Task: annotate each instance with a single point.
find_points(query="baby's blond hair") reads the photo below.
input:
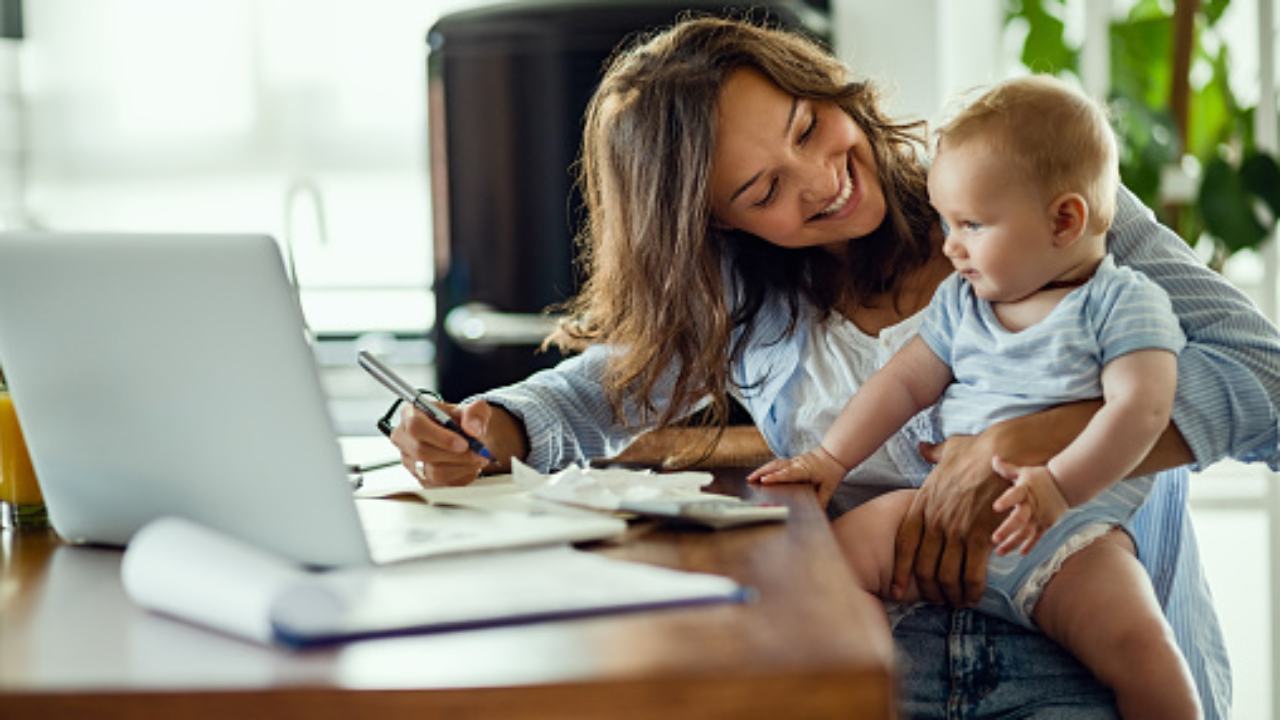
(1057, 137)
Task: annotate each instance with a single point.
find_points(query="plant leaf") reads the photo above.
(1045, 49)
(1227, 208)
(1210, 120)
(1145, 9)
(1213, 10)
(1260, 175)
(1140, 58)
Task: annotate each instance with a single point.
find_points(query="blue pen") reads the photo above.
(406, 392)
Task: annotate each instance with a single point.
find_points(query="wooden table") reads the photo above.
(72, 644)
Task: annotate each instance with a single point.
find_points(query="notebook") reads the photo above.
(192, 573)
(169, 375)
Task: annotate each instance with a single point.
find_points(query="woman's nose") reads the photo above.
(821, 182)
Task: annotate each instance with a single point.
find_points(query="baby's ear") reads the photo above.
(1069, 215)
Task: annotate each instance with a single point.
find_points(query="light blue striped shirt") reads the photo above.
(1226, 404)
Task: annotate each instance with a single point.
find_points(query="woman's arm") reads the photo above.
(566, 415)
(1228, 374)
(740, 446)
(1039, 436)
(551, 419)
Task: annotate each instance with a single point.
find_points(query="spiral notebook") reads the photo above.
(187, 571)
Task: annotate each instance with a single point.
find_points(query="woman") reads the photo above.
(757, 226)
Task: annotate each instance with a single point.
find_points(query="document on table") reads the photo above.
(674, 497)
(488, 492)
(185, 570)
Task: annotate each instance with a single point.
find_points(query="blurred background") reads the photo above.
(412, 158)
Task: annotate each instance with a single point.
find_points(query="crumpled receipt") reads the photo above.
(610, 488)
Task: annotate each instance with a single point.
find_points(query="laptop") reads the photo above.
(170, 374)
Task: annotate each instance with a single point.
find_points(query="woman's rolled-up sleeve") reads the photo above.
(1229, 372)
(566, 412)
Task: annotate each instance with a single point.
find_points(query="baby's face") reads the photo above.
(999, 228)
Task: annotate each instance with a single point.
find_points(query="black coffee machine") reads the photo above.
(507, 86)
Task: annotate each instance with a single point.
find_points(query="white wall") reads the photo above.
(922, 52)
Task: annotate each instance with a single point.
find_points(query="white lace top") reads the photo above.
(839, 358)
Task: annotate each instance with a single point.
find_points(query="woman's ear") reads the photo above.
(1069, 215)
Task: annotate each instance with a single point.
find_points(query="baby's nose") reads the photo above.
(951, 247)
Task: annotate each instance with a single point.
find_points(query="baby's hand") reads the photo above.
(1036, 504)
(816, 466)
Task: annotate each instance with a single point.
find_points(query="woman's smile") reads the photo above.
(843, 203)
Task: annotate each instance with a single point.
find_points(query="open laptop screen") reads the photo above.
(169, 375)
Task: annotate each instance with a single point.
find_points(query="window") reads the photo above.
(302, 119)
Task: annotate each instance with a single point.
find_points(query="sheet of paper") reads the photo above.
(396, 480)
(401, 530)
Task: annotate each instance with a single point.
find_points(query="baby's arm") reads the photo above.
(1138, 390)
(912, 380)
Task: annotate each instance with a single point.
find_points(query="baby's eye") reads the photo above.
(971, 226)
(946, 229)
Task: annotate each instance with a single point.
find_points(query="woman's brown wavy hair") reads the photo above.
(652, 258)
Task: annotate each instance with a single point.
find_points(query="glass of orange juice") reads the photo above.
(21, 504)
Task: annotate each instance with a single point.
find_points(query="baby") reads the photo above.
(1036, 315)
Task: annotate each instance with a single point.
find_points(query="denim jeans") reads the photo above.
(963, 664)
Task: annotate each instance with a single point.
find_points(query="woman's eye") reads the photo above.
(813, 123)
(773, 189)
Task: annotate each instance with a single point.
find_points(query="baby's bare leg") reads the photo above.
(866, 536)
(1102, 608)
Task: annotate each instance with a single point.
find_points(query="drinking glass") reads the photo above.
(21, 504)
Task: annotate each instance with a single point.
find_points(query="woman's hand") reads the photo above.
(945, 538)
(438, 456)
(816, 466)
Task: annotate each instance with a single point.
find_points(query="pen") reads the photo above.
(406, 392)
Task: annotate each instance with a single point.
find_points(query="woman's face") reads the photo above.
(794, 172)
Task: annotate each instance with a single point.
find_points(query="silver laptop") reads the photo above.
(169, 375)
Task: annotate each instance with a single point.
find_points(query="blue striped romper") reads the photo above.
(1001, 374)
